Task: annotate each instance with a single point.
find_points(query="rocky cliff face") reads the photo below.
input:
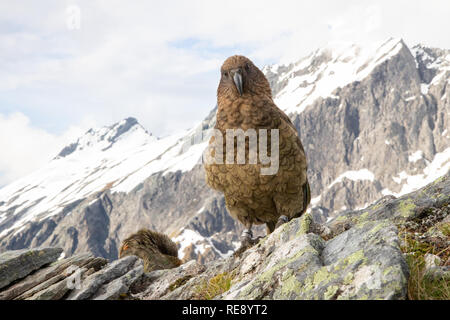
(359, 254)
(382, 135)
(374, 121)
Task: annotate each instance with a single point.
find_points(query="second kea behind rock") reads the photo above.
(156, 250)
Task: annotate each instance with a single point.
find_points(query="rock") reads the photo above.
(431, 261)
(91, 284)
(17, 264)
(412, 206)
(161, 284)
(45, 277)
(357, 255)
(362, 263)
(438, 273)
(59, 289)
(120, 286)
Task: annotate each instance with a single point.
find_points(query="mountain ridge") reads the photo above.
(389, 110)
(376, 254)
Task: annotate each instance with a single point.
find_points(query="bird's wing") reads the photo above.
(284, 119)
(293, 136)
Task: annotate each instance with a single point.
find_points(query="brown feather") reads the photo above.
(250, 197)
(156, 250)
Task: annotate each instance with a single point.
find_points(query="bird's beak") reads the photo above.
(237, 78)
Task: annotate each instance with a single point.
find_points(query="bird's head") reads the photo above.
(239, 77)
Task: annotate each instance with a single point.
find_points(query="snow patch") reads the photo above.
(354, 175)
(190, 237)
(424, 88)
(416, 156)
(435, 169)
(201, 209)
(315, 201)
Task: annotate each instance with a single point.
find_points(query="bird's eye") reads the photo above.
(225, 74)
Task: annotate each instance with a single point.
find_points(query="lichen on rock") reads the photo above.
(360, 254)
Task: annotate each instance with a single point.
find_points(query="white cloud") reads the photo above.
(126, 53)
(159, 61)
(25, 148)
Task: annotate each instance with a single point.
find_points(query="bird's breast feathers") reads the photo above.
(234, 177)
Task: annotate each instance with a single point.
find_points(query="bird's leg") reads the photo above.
(247, 240)
(281, 220)
(247, 236)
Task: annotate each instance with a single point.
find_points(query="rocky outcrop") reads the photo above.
(356, 255)
(378, 134)
(17, 264)
(108, 282)
(364, 262)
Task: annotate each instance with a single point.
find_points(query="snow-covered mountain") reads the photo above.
(299, 84)
(374, 120)
(115, 158)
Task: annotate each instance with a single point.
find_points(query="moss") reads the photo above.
(353, 258)
(406, 208)
(441, 179)
(342, 218)
(348, 278)
(179, 282)
(326, 275)
(331, 292)
(214, 286)
(354, 219)
(305, 224)
(445, 229)
(268, 275)
(322, 275)
(377, 228)
(252, 293)
(376, 207)
(444, 196)
(290, 285)
(364, 216)
(388, 270)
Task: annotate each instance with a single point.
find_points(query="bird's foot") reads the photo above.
(247, 242)
(281, 220)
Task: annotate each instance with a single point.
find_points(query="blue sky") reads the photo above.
(159, 61)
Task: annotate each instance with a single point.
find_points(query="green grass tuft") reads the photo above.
(421, 286)
(214, 286)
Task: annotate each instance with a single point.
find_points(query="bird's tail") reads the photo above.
(306, 195)
(306, 199)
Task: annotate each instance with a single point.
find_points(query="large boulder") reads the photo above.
(17, 264)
